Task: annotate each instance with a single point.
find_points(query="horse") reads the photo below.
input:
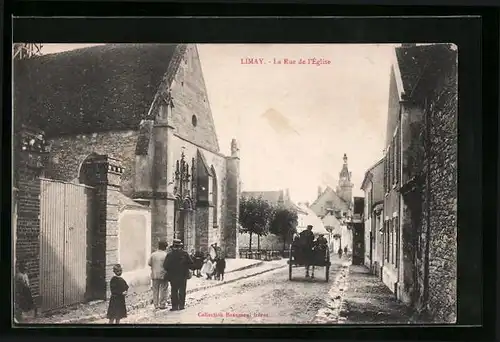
(316, 258)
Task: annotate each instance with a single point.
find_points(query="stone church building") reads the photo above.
(133, 122)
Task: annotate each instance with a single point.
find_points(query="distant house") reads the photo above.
(373, 186)
(337, 231)
(337, 203)
(339, 200)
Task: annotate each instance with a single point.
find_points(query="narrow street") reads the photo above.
(269, 298)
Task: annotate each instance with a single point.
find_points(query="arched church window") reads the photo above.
(215, 197)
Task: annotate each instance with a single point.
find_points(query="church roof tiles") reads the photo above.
(100, 88)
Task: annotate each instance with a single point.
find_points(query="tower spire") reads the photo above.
(344, 189)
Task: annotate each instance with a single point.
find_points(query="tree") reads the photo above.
(255, 216)
(284, 224)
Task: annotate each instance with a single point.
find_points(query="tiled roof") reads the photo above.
(420, 64)
(100, 88)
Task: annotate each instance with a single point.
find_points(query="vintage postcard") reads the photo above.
(235, 183)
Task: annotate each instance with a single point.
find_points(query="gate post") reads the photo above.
(103, 173)
(30, 151)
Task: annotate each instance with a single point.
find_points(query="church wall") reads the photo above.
(218, 162)
(68, 152)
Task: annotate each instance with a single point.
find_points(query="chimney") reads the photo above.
(319, 191)
(287, 194)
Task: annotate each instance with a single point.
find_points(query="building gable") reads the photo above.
(191, 114)
(325, 200)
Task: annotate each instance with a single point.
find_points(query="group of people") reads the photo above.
(208, 266)
(339, 252)
(172, 267)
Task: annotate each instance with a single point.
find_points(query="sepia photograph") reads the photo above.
(234, 183)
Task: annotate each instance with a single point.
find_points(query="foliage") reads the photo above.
(284, 223)
(255, 216)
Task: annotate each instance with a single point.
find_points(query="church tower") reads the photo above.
(344, 189)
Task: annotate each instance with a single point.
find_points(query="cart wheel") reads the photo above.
(327, 275)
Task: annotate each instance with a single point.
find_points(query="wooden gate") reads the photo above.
(64, 226)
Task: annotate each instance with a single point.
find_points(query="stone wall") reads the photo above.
(28, 225)
(68, 152)
(443, 201)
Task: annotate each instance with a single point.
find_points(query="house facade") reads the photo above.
(373, 186)
(420, 182)
(132, 125)
(356, 224)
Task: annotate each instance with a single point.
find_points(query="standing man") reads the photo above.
(160, 285)
(177, 265)
(307, 241)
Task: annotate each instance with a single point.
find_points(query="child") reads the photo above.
(208, 268)
(119, 287)
(23, 301)
(220, 267)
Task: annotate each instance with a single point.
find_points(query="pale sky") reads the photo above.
(295, 122)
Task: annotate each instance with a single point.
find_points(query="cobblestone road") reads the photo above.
(269, 298)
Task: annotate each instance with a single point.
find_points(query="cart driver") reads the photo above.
(321, 240)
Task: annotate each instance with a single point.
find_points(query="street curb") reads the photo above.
(144, 303)
(334, 311)
(246, 267)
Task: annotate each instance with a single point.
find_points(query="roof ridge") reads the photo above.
(168, 77)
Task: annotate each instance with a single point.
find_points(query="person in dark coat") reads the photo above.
(177, 265)
(198, 259)
(23, 300)
(220, 267)
(118, 287)
(307, 242)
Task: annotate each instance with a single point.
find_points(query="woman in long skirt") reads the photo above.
(119, 287)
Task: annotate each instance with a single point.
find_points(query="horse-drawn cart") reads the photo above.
(318, 256)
